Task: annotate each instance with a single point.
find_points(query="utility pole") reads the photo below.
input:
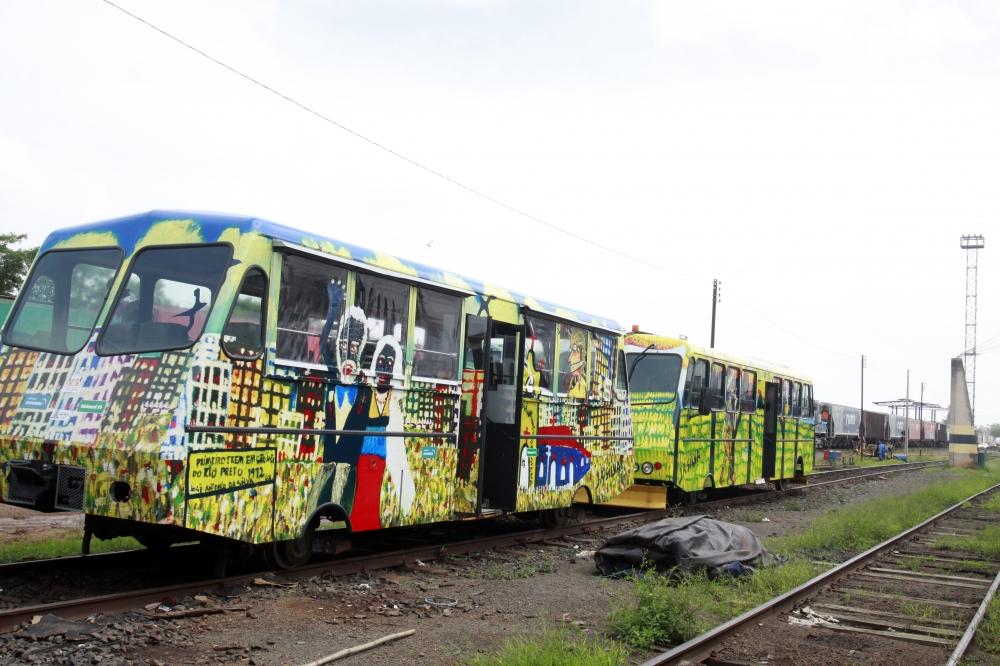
(972, 245)
(715, 299)
(861, 427)
(920, 408)
(906, 421)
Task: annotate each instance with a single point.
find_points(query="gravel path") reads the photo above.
(458, 608)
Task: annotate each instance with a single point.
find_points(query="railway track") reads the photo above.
(371, 560)
(919, 588)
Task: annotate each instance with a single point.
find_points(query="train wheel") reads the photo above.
(557, 517)
(289, 554)
(678, 497)
(781, 484)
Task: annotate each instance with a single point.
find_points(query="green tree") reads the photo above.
(995, 430)
(14, 262)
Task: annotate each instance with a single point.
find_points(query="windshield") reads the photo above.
(653, 372)
(58, 307)
(165, 301)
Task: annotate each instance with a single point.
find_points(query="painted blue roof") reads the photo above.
(130, 229)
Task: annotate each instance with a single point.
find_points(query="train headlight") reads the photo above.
(647, 468)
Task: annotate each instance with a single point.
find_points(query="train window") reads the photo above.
(732, 389)
(621, 374)
(786, 397)
(748, 391)
(310, 310)
(167, 298)
(807, 400)
(385, 305)
(654, 372)
(698, 379)
(797, 399)
(688, 377)
(573, 354)
(435, 335)
(538, 354)
(715, 395)
(601, 349)
(243, 336)
(60, 302)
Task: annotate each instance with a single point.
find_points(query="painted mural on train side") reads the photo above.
(352, 352)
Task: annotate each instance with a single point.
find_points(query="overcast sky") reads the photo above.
(820, 158)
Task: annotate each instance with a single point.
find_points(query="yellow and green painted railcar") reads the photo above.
(704, 420)
(180, 375)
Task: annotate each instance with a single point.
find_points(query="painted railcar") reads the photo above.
(180, 375)
(704, 420)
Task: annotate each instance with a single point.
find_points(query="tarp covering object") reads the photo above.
(689, 543)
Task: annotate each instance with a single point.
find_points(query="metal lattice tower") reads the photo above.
(972, 245)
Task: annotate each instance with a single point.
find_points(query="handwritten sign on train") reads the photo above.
(215, 472)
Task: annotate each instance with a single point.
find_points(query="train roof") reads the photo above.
(130, 230)
(664, 342)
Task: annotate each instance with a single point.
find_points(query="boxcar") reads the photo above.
(704, 420)
(875, 426)
(897, 426)
(177, 375)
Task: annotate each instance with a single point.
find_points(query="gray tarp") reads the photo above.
(690, 543)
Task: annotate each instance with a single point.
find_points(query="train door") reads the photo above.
(475, 380)
(499, 446)
(772, 400)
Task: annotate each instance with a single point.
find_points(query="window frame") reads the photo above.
(22, 297)
(540, 391)
(739, 387)
(282, 250)
(797, 404)
(557, 359)
(717, 400)
(808, 409)
(460, 350)
(745, 404)
(350, 271)
(408, 319)
(689, 401)
(124, 280)
(263, 314)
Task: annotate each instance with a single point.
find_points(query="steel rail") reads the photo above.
(970, 631)
(880, 472)
(19, 567)
(124, 601)
(701, 647)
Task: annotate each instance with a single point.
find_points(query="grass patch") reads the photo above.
(746, 516)
(839, 533)
(919, 609)
(913, 563)
(659, 610)
(525, 567)
(556, 647)
(61, 547)
(985, 542)
(664, 610)
(988, 632)
(992, 504)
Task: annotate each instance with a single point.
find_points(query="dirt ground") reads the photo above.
(16, 523)
(459, 608)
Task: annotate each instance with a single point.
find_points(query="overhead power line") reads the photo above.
(399, 155)
(434, 172)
